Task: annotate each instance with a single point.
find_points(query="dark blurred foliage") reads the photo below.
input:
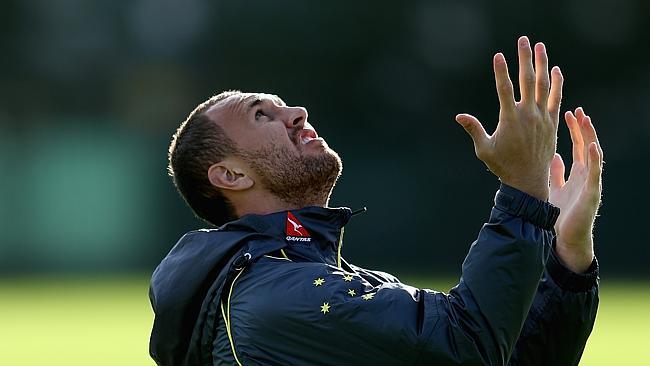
(91, 92)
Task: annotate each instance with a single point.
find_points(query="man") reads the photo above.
(270, 287)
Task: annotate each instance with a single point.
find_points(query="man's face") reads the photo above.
(281, 147)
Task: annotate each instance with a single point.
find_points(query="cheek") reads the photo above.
(275, 134)
(268, 136)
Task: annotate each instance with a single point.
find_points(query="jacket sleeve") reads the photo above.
(561, 317)
(337, 317)
(480, 320)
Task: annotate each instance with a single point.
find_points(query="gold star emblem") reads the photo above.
(325, 308)
(347, 278)
(351, 292)
(368, 296)
(319, 281)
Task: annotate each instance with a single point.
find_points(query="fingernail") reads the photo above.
(523, 41)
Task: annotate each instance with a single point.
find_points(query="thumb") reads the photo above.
(474, 128)
(557, 172)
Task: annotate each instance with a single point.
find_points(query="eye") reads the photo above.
(259, 113)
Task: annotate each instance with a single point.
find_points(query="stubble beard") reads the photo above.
(296, 178)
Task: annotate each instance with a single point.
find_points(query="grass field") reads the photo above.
(72, 322)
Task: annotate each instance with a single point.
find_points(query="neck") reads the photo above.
(263, 203)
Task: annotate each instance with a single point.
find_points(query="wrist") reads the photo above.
(569, 280)
(576, 257)
(537, 187)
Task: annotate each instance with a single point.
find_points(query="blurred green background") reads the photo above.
(106, 322)
(91, 92)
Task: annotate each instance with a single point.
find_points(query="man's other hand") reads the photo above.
(579, 197)
(521, 148)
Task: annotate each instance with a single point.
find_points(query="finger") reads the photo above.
(586, 143)
(475, 130)
(580, 114)
(589, 133)
(555, 97)
(504, 84)
(557, 172)
(576, 138)
(580, 117)
(595, 168)
(542, 81)
(526, 71)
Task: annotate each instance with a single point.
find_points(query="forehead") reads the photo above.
(240, 104)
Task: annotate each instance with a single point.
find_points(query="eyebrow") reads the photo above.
(279, 100)
(257, 101)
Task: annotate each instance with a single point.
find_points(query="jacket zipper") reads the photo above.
(338, 253)
(226, 317)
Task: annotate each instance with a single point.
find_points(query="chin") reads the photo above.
(307, 175)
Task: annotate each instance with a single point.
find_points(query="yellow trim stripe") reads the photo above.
(227, 318)
(284, 254)
(223, 315)
(270, 256)
(338, 254)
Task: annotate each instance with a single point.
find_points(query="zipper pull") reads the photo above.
(241, 262)
(359, 211)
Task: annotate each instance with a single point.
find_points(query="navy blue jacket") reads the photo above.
(274, 290)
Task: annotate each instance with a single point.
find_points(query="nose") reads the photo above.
(295, 117)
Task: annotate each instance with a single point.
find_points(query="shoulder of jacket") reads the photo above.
(293, 283)
(212, 234)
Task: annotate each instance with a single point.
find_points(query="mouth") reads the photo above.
(306, 135)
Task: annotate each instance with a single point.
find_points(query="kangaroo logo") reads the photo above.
(294, 229)
(296, 226)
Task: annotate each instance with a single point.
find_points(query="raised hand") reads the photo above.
(520, 150)
(579, 197)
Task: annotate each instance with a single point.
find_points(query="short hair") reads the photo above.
(200, 142)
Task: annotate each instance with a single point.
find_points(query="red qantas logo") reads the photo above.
(295, 231)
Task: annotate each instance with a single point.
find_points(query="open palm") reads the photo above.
(579, 197)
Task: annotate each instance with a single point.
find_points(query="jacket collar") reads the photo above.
(311, 233)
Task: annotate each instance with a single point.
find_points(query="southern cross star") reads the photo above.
(319, 281)
(368, 296)
(325, 308)
(347, 278)
(351, 292)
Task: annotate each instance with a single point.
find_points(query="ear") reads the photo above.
(230, 175)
